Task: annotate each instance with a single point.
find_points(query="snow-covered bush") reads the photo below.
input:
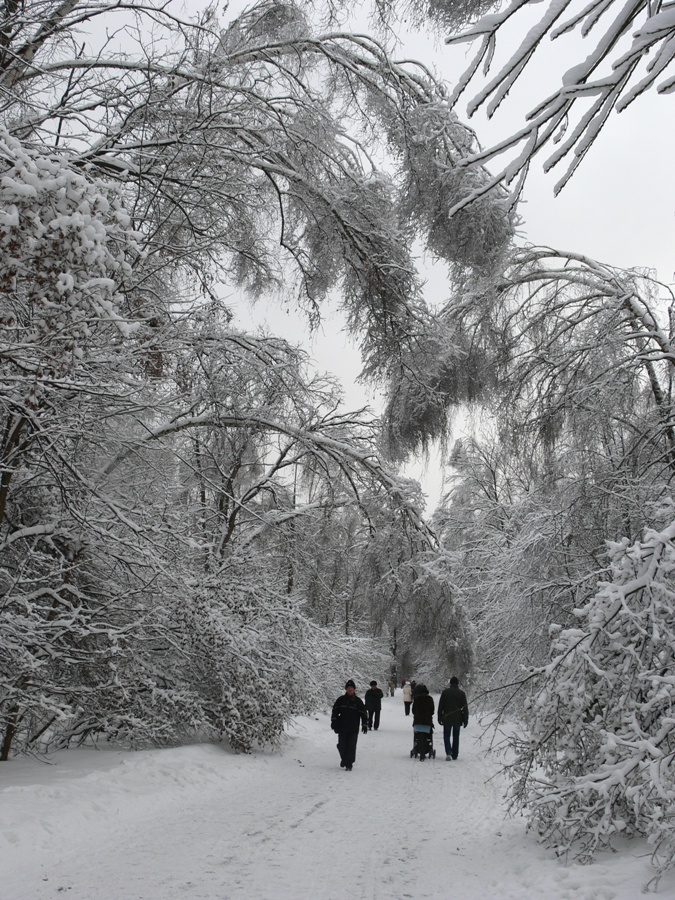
(599, 759)
(245, 655)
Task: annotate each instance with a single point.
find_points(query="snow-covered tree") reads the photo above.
(246, 149)
(574, 443)
(150, 451)
(574, 455)
(598, 758)
(141, 557)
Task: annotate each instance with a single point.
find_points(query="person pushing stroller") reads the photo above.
(423, 723)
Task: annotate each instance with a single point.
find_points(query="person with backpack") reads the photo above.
(373, 700)
(453, 713)
(349, 713)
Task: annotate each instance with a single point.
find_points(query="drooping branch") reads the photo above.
(608, 77)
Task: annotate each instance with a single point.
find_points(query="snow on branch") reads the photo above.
(346, 453)
(608, 73)
(599, 758)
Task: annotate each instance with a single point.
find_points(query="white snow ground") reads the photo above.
(202, 822)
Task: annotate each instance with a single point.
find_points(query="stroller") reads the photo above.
(423, 745)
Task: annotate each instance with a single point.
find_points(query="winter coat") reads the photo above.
(349, 713)
(423, 709)
(453, 708)
(407, 693)
(373, 698)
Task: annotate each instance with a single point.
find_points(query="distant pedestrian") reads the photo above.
(453, 712)
(373, 700)
(392, 687)
(349, 713)
(407, 697)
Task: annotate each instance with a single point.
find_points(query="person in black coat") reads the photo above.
(349, 713)
(373, 700)
(423, 721)
(423, 707)
(453, 712)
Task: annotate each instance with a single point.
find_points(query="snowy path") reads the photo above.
(200, 822)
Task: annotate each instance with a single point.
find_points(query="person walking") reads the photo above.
(423, 720)
(453, 712)
(373, 700)
(407, 697)
(423, 707)
(349, 713)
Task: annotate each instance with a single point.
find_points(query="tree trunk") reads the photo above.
(9, 733)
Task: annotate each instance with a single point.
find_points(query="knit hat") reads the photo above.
(454, 680)
(350, 683)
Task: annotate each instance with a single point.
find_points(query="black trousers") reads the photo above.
(451, 735)
(374, 718)
(347, 746)
(407, 705)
